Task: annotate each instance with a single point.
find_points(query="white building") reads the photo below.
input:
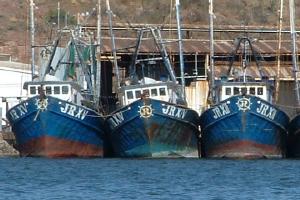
(12, 77)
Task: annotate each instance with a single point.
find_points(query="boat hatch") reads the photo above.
(159, 93)
(59, 91)
(259, 91)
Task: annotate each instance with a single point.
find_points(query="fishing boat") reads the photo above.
(58, 117)
(294, 126)
(152, 119)
(242, 121)
(54, 124)
(293, 150)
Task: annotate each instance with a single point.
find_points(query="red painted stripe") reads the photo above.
(53, 147)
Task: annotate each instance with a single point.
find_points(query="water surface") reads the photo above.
(39, 178)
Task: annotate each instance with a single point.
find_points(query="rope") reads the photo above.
(129, 108)
(286, 106)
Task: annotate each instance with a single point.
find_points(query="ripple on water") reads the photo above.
(39, 178)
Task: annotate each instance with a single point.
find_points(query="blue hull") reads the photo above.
(153, 128)
(57, 128)
(294, 138)
(242, 127)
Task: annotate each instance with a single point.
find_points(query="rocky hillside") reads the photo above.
(14, 17)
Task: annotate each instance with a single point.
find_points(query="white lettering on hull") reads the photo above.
(74, 111)
(174, 111)
(244, 105)
(220, 110)
(18, 111)
(266, 110)
(116, 119)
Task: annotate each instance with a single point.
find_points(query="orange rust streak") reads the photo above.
(244, 149)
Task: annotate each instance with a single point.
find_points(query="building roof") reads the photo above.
(286, 72)
(191, 46)
(222, 47)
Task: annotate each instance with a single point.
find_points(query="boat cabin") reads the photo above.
(63, 90)
(154, 92)
(259, 89)
(160, 91)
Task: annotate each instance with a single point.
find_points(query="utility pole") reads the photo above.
(58, 16)
(279, 52)
(32, 31)
(98, 71)
(109, 12)
(180, 49)
(294, 49)
(211, 47)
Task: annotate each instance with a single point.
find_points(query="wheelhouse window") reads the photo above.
(65, 89)
(48, 90)
(244, 90)
(146, 92)
(129, 94)
(260, 91)
(137, 94)
(32, 90)
(56, 90)
(154, 92)
(162, 92)
(252, 90)
(236, 90)
(228, 91)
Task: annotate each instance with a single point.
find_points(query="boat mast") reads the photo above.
(278, 52)
(48, 67)
(58, 16)
(180, 48)
(211, 46)
(32, 31)
(109, 12)
(98, 72)
(163, 52)
(294, 49)
(132, 70)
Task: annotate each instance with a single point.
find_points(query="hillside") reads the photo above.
(14, 18)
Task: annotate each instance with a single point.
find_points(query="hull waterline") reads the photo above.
(59, 129)
(152, 128)
(256, 131)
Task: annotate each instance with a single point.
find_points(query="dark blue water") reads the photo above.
(38, 178)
